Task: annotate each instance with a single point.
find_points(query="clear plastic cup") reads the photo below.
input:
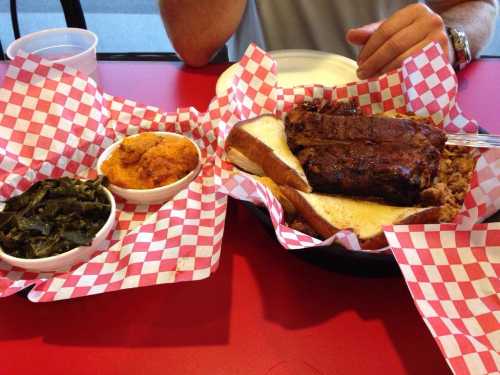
(69, 46)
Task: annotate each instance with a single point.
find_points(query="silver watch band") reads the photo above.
(461, 47)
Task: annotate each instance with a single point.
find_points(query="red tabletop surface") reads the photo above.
(265, 311)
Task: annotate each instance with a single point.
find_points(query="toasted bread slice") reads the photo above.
(275, 189)
(261, 142)
(327, 214)
(244, 163)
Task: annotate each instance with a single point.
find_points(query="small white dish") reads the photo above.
(62, 262)
(297, 67)
(160, 194)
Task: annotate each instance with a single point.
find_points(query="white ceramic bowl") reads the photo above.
(62, 262)
(160, 194)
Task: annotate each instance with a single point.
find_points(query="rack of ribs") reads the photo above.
(343, 151)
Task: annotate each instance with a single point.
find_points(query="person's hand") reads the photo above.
(387, 43)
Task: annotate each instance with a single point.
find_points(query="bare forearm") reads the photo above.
(199, 28)
(477, 18)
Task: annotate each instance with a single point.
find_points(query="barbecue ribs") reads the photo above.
(343, 151)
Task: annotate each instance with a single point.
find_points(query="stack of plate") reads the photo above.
(302, 67)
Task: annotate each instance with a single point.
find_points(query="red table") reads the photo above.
(265, 311)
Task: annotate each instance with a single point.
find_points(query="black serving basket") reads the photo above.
(337, 258)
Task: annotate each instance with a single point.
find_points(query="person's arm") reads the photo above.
(477, 18)
(199, 28)
(387, 43)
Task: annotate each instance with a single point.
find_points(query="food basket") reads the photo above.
(425, 85)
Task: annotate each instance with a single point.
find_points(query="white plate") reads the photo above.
(302, 67)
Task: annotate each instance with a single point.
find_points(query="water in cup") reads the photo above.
(68, 46)
(59, 52)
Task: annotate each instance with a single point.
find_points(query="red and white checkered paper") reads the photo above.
(55, 121)
(453, 275)
(426, 84)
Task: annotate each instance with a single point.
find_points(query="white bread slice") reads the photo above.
(287, 206)
(262, 141)
(327, 214)
(244, 163)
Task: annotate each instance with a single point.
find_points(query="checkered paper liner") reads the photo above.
(425, 84)
(453, 275)
(54, 122)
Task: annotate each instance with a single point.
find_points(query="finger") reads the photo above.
(360, 35)
(438, 36)
(397, 62)
(400, 42)
(398, 21)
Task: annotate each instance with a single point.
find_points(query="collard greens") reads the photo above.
(52, 217)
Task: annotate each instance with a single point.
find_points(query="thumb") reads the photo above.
(360, 35)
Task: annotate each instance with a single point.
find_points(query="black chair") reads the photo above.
(74, 16)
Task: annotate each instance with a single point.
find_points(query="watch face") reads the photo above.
(460, 39)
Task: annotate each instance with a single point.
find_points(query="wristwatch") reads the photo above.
(461, 47)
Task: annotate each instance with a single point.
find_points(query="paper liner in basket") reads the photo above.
(425, 84)
(54, 121)
(453, 275)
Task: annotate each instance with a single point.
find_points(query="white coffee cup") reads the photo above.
(69, 46)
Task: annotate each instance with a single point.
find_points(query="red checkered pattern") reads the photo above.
(425, 84)
(251, 91)
(453, 275)
(431, 88)
(483, 198)
(54, 121)
(375, 95)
